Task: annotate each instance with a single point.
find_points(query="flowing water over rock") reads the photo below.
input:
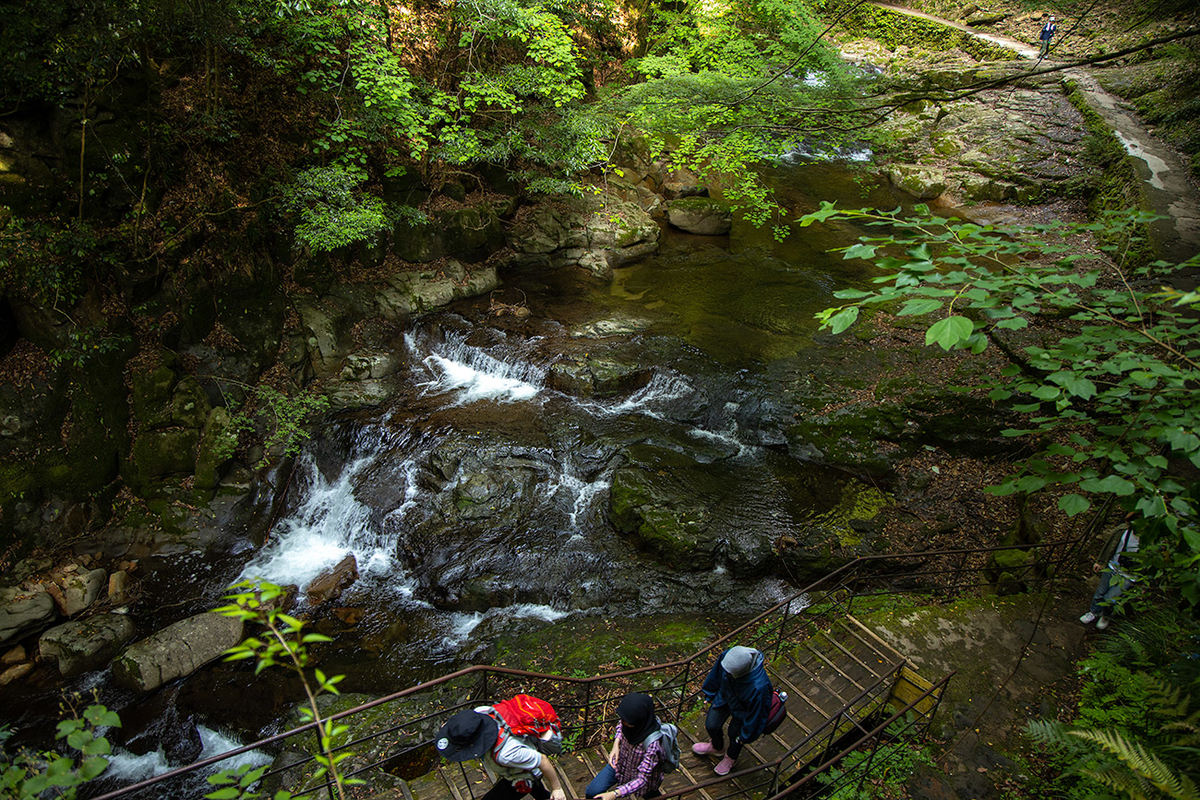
(619, 451)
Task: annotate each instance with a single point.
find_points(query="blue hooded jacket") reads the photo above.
(748, 697)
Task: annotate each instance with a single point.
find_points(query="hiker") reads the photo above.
(638, 758)
(1115, 577)
(513, 762)
(1048, 31)
(740, 691)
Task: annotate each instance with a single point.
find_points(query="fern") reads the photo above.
(1145, 766)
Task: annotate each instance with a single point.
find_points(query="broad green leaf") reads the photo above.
(949, 332)
(921, 305)
(825, 212)
(859, 251)
(1072, 504)
(843, 319)
(1113, 484)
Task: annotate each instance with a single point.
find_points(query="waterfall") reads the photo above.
(472, 374)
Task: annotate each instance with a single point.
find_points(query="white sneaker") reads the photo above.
(1089, 618)
(1102, 623)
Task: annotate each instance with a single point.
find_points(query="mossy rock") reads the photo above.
(705, 216)
(591, 645)
(152, 393)
(650, 504)
(159, 454)
(189, 404)
(215, 447)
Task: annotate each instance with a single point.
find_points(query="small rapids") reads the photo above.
(488, 499)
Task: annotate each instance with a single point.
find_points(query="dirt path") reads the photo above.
(1167, 188)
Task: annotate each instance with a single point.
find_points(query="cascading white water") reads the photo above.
(663, 389)
(330, 524)
(472, 374)
(129, 768)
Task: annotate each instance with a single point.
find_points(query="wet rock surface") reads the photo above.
(87, 644)
(595, 232)
(704, 216)
(177, 650)
(22, 611)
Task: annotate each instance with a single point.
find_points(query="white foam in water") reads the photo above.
(473, 374)
(130, 768)
(475, 384)
(214, 743)
(462, 625)
(837, 154)
(534, 611)
(583, 495)
(720, 438)
(661, 389)
(330, 524)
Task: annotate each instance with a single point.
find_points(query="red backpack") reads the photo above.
(532, 719)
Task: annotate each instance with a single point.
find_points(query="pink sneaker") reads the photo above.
(724, 765)
(706, 749)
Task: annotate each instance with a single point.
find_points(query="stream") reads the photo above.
(478, 502)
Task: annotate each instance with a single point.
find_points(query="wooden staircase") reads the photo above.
(835, 681)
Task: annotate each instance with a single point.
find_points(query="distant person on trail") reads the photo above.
(636, 761)
(1048, 31)
(740, 691)
(1115, 576)
(514, 763)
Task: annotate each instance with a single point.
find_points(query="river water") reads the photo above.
(477, 502)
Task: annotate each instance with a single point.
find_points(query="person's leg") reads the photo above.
(735, 747)
(604, 780)
(714, 723)
(1102, 590)
(502, 789)
(539, 791)
(1116, 585)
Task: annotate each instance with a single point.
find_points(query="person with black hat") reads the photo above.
(740, 691)
(515, 766)
(636, 762)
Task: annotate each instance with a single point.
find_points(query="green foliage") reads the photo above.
(331, 212)
(84, 344)
(49, 261)
(240, 784)
(286, 418)
(285, 643)
(731, 86)
(1109, 398)
(1137, 728)
(26, 775)
(866, 776)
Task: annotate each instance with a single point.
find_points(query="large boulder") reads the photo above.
(21, 612)
(705, 216)
(417, 291)
(86, 644)
(650, 501)
(80, 590)
(472, 233)
(923, 183)
(331, 583)
(586, 376)
(176, 651)
(595, 232)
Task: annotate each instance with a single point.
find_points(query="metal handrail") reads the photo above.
(838, 580)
